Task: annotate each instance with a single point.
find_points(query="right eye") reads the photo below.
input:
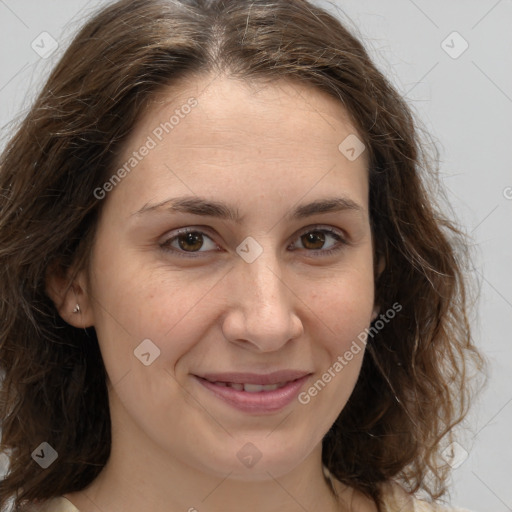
(188, 241)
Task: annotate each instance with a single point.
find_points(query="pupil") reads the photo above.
(192, 241)
(311, 238)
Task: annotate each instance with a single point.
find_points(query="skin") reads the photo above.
(263, 149)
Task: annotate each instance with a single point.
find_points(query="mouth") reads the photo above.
(255, 393)
(251, 388)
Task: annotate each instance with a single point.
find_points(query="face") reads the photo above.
(234, 252)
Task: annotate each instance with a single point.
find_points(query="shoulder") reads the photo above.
(59, 504)
(396, 499)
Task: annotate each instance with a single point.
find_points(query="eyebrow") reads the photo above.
(208, 208)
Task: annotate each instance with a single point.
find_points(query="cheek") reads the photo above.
(343, 311)
(167, 307)
(344, 305)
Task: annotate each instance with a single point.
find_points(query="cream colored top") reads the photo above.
(396, 500)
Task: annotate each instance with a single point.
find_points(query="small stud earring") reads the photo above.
(77, 309)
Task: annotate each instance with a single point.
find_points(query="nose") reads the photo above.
(262, 314)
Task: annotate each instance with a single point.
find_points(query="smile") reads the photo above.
(252, 388)
(253, 393)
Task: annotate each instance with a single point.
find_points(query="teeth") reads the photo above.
(256, 388)
(252, 388)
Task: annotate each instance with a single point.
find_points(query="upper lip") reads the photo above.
(255, 378)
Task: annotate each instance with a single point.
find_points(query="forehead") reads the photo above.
(230, 111)
(220, 132)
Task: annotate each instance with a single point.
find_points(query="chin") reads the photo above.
(258, 459)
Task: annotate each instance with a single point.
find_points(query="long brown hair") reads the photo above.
(413, 387)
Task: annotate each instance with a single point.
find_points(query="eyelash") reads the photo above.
(165, 246)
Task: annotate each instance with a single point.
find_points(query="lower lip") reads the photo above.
(260, 402)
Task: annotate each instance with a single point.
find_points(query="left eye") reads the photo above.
(315, 240)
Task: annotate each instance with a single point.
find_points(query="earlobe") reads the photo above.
(70, 297)
(381, 265)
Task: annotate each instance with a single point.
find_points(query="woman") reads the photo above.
(224, 283)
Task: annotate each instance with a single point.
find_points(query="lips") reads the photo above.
(277, 377)
(256, 393)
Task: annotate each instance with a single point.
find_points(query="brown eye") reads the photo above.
(320, 242)
(313, 240)
(187, 242)
(190, 242)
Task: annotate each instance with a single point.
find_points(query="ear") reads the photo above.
(66, 292)
(375, 312)
(379, 268)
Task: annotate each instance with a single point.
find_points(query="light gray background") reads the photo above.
(466, 103)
